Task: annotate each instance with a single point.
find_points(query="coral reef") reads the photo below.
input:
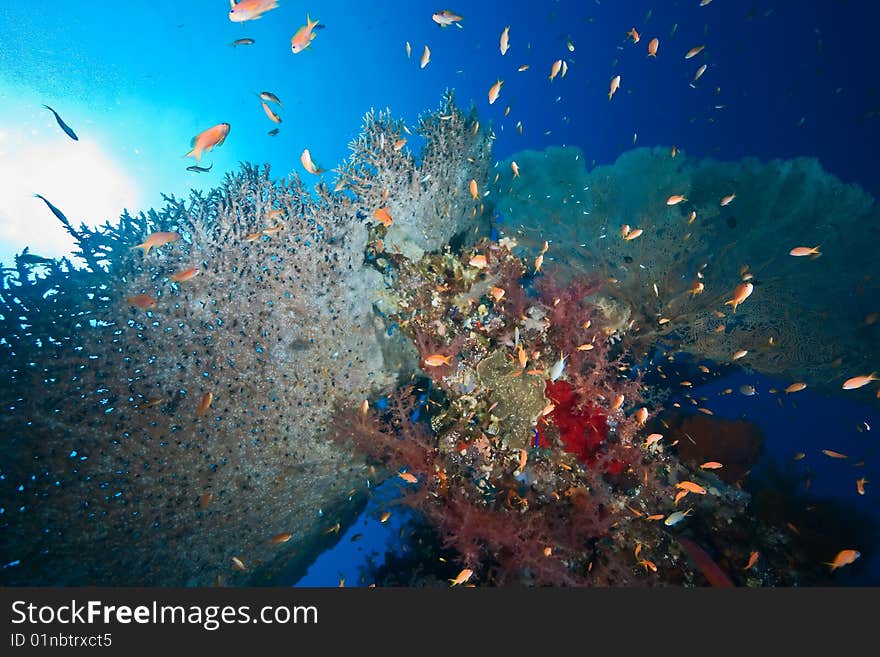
(672, 281)
(576, 504)
(164, 406)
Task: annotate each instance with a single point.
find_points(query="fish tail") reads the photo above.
(310, 23)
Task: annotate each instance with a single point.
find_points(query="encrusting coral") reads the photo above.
(164, 406)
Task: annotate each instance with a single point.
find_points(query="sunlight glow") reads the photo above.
(79, 178)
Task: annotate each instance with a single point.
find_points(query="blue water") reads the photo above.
(137, 80)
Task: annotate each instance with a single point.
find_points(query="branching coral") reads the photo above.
(167, 425)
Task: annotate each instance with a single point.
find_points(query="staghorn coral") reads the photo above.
(794, 325)
(427, 197)
(123, 479)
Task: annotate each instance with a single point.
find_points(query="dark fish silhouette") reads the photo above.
(64, 126)
(242, 42)
(199, 169)
(58, 213)
(273, 132)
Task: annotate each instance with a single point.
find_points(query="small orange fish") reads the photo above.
(727, 199)
(384, 517)
(479, 261)
(739, 354)
(184, 275)
(462, 577)
(711, 465)
(365, 407)
(859, 381)
(426, 57)
(699, 73)
(497, 293)
(400, 143)
(304, 36)
(207, 140)
(504, 41)
(653, 44)
(539, 262)
(548, 551)
(494, 90)
(693, 52)
(795, 387)
(156, 240)
(381, 214)
(740, 294)
(239, 564)
(248, 10)
(634, 34)
(833, 454)
(585, 347)
(555, 68)
(804, 251)
(283, 537)
(641, 415)
(308, 164)
(273, 117)
(680, 495)
(617, 403)
(860, 485)
(615, 85)
(515, 168)
(205, 404)
(653, 438)
(205, 500)
(436, 360)
(656, 516)
(753, 559)
(691, 487)
(649, 565)
(474, 191)
(142, 301)
(634, 234)
(844, 558)
(675, 199)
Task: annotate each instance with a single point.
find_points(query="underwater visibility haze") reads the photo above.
(564, 293)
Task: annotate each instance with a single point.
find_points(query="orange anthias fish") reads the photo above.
(554, 69)
(805, 251)
(382, 215)
(859, 381)
(844, 558)
(615, 85)
(795, 387)
(462, 577)
(691, 487)
(479, 261)
(408, 477)
(426, 57)
(860, 485)
(304, 36)
(205, 141)
(283, 537)
(711, 465)
(753, 559)
(184, 275)
(273, 117)
(308, 164)
(675, 199)
(494, 90)
(652, 47)
(205, 404)
(693, 52)
(473, 189)
(157, 240)
(504, 41)
(249, 10)
(833, 454)
(436, 360)
(142, 301)
(445, 18)
(740, 294)
(634, 33)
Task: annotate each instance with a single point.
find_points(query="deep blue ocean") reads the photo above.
(138, 80)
